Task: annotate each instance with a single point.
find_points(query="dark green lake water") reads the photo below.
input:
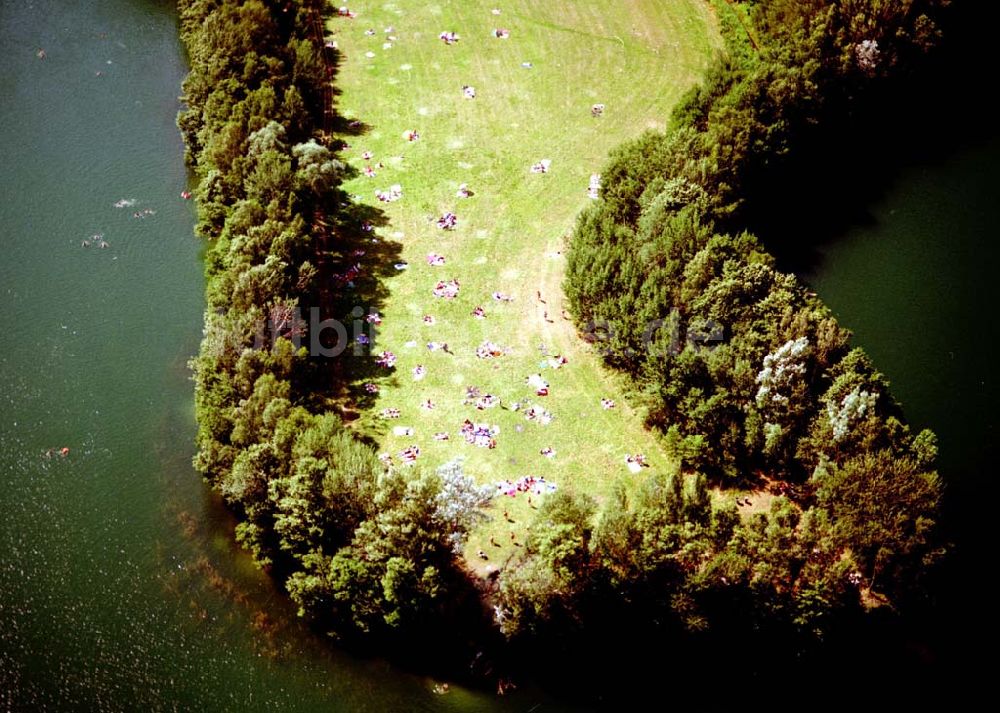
(917, 284)
(119, 584)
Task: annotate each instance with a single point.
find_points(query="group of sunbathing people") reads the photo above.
(594, 188)
(446, 289)
(490, 350)
(541, 166)
(448, 221)
(525, 484)
(450, 38)
(483, 435)
(393, 194)
(480, 434)
(636, 462)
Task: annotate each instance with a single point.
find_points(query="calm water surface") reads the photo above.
(919, 286)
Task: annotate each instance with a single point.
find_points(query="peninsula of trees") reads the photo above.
(762, 391)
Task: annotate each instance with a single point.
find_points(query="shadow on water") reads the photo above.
(218, 595)
(841, 168)
(830, 190)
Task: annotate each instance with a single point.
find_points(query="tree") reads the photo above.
(300, 513)
(882, 505)
(318, 170)
(461, 503)
(542, 589)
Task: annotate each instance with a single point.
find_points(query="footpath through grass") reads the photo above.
(534, 92)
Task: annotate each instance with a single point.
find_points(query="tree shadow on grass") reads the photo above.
(355, 265)
(353, 261)
(334, 122)
(344, 126)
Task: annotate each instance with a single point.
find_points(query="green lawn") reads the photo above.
(636, 57)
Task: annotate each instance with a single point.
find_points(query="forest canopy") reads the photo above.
(747, 376)
(361, 549)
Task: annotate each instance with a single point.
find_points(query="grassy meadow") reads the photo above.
(636, 58)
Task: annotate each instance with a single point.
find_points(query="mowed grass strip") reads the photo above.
(636, 58)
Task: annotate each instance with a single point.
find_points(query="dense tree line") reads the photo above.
(361, 548)
(747, 375)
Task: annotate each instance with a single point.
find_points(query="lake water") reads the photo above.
(120, 587)
(917, 283)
